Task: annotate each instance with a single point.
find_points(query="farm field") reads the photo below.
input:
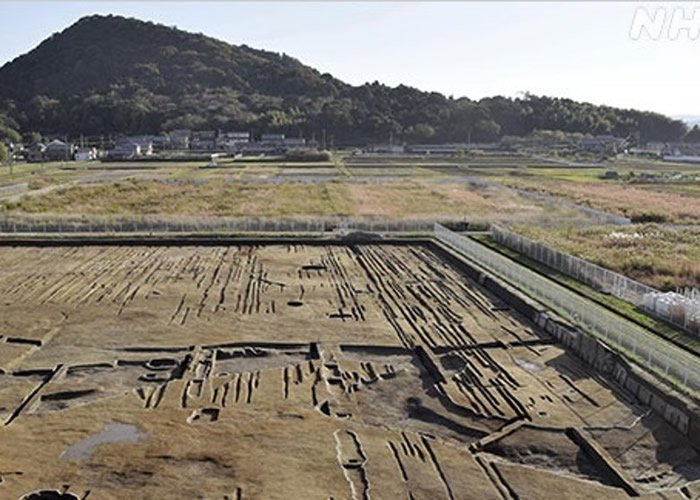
(410, 197)
(382, 185)
(297, 371)
(352, 186)
(659, 257)
(638, 204)
(651, 195)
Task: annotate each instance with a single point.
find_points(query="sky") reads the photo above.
(580, 50)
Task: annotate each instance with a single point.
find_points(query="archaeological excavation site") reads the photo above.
(327, 368)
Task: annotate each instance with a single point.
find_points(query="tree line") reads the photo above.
(112, 75)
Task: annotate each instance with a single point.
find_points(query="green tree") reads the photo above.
(464, 121)
(43, 109)
(32, 137)
(4, 155)
(419, 132)
(112, 75)
(9, 134)
(510, 114)
(8, 129)
(486, 131)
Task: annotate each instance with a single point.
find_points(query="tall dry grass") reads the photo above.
(639, 204)
(662, 258)
(214, 198)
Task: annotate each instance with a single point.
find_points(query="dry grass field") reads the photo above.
(662, 258)
(393, 198)
(371, 185)
(285, 372)
(641, 204)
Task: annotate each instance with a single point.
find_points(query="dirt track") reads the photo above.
(365, 371)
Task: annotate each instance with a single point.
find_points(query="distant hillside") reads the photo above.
(691, 120)
(109, 74)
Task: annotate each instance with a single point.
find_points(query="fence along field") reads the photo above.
(385, 363)
(659, 356)
(64, 223)
(685, 314)
(671, 363)
(15, 224)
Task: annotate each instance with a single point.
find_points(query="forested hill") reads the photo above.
(109, 74)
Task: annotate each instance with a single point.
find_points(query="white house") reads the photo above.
(86, 154)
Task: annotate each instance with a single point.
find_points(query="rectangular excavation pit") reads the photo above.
(297, 403)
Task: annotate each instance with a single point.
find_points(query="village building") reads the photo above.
(35, 152)
(57, 150)
(86, 154)
(602, 144)
(180, 139)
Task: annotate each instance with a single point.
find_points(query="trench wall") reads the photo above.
(676, 409)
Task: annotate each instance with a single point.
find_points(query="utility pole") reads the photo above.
(10, 158)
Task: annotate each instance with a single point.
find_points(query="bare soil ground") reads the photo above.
(303, 372)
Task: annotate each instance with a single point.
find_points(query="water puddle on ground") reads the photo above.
(113, 432)
(527, 365)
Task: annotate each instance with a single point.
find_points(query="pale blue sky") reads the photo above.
(578, 50)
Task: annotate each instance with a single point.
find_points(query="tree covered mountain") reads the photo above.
(109, 74)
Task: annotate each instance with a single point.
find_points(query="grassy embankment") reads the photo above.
(619, 306)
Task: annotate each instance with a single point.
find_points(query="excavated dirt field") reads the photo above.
(310, 372)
